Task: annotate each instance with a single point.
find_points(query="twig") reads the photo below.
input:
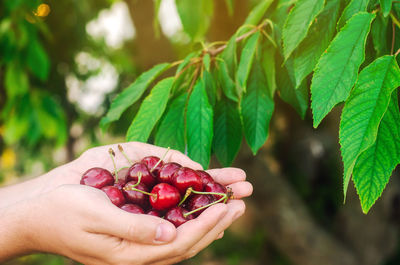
(238, 39)
(398, 51)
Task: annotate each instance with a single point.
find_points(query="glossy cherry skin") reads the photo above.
(165, 197)
(147, 178)
(115, 195)
(136, 197)
(150, 162)
(97, 177)
(197, 201)
(175, 216)
(154, 213)
(205, 177)
(215, 187)
(167, 171)
(132, 208)
(185, 178)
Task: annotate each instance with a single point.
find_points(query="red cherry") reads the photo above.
(167, 171)
(115, 195)
(134, 196)
(175, 216)
(198, 201)
(154, 213)
(121, 183)
(147, 178)
(215, 187)
(185, 178)
(165, 196)
(97, 177)
(205, 177)
(150, 162)
(132, 208)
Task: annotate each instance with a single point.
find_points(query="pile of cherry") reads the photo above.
(153, 187)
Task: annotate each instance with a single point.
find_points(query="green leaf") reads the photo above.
(210, 86)
(364, 110)
(351, 9)
(195, 16)
(256, 109)
(296, 97)
(268, 64)
(37, 60)
(257, 13)
(306, 56)
(150, 111)
(337, 69)
(379, 32)
(229, 56)
(297, 23)
(227, 131)
(171, 132)
(199, 123)
(132, 93)
(229, 87)
(16, 80)
(375, 165)
(207, 61)
(246, 60)
(386, 6)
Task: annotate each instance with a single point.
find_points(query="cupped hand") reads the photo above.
(89, 229)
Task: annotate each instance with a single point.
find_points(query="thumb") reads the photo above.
(140, 228)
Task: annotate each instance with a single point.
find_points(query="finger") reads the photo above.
(236, 209)
(227, 176)
(241, 189)
(221, 235)
(139, 228)
(192, 231)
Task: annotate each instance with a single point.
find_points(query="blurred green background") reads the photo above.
(61, 64)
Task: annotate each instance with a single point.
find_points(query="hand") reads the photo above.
(85, 226)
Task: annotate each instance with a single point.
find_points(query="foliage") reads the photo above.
(224, 91)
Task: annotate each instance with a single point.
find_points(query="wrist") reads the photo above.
(14, 230)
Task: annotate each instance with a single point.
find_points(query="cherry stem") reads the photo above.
(159, 161)
(121, 168)
(112, 154)
(205, 206)
(187, 194)
(210, 193)
(124, 154)
(142, 191)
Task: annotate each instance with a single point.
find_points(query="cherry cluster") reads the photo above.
(151, 186)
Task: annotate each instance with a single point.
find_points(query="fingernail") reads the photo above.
(164, 233)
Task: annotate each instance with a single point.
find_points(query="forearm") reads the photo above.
(14, 227)
(22, 191)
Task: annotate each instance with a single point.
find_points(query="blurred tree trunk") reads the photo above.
(149, 49)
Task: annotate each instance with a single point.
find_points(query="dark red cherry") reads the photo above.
(175, 216)
(205, 177)
(165, 196)
(167, 171)
(136, 197)
(197, 201)
(115, 195)
(154, 213)
(150, 162)
(215, 187)
(132, 208)
(121, 182)
(185, 178)
(97, 177)
(147, 178)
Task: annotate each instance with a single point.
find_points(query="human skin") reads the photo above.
(54, 214)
